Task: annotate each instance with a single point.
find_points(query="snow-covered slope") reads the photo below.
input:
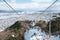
(37, 34)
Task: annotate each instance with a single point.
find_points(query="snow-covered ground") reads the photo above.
(37, 34)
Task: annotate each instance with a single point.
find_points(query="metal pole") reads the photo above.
(50, 29)
(50, 25)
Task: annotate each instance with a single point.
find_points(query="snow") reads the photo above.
(29, 35)
(37, 38)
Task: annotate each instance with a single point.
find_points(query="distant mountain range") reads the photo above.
(10, 11)
(6, 11)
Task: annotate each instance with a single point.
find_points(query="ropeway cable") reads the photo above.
(4, 5)
(10, 6)
(50, 6)
(50, 22)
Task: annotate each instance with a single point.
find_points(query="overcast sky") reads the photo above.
(30, 5)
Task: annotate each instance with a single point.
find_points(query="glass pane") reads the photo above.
(29, 19)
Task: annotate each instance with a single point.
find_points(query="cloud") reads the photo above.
(25, 6)
(31, 5)
(34, 5)
(13, 1)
